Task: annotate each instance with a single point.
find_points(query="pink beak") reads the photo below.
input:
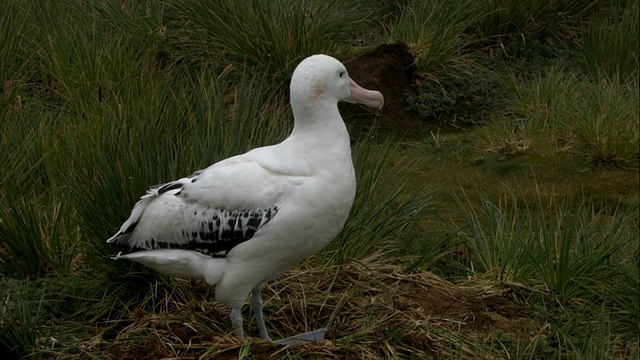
(360, 95)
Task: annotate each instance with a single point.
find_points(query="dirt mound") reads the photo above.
(389, 69)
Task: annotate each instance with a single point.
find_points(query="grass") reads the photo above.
(434, 30)
(458, 96)
(20, 318)
(268, 37)
(562, 113)
(565, 247)
(511, 238)
(380, 215)
(533, 18)
(610, 46)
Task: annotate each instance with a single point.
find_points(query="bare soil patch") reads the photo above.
(389, 69)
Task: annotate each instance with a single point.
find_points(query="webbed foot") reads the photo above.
(305, 338)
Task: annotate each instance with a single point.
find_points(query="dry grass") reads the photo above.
(372, 309)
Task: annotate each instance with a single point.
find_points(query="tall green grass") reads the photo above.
(605, 123)
(12, 55)
(76, 82)
(86, 61)
(38, 237)
(499, 243)
(268, 36)
(385, 211)
(433, 30)
(561, 113)
(610, 43)
(569, 249)
(626, 305)
(20, 316)
(533, 18)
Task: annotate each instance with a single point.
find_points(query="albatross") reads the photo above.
(248, 219)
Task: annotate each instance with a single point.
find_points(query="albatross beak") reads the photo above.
(360, 95)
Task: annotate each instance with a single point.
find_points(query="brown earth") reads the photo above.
(390, 69)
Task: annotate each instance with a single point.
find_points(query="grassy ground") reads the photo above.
(497, 209)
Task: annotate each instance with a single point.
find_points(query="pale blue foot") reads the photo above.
(305, 338)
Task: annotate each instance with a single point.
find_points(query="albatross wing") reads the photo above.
(210, 211)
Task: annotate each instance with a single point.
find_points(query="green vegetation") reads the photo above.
(268, 37)
(505, 225)
(433, 30)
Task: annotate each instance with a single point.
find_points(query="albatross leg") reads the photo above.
(256, 304)
(236, 321)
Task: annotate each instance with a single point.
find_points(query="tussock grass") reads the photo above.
(433, 30)
(86, 59)
(381, 214)
(19, 317)
(610, 45)
(573, 253)
(12, 64)
(605, 124)
(627, 305)
(38, 239)
(560, 113)
(536, 17)
(269, 37)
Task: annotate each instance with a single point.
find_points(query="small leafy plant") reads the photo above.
(471, 94)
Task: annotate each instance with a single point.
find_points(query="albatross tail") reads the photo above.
(180, 263)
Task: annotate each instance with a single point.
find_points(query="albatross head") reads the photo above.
(323, 79)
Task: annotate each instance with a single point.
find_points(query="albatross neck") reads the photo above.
(319, 123)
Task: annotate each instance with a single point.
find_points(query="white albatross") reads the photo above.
(248, 219)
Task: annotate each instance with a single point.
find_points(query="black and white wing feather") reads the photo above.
(210, 211)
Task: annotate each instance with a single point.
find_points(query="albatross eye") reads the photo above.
(341, 74)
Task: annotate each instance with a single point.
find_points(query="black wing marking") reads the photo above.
(216, 234)
(169, 186)
(178, 184)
